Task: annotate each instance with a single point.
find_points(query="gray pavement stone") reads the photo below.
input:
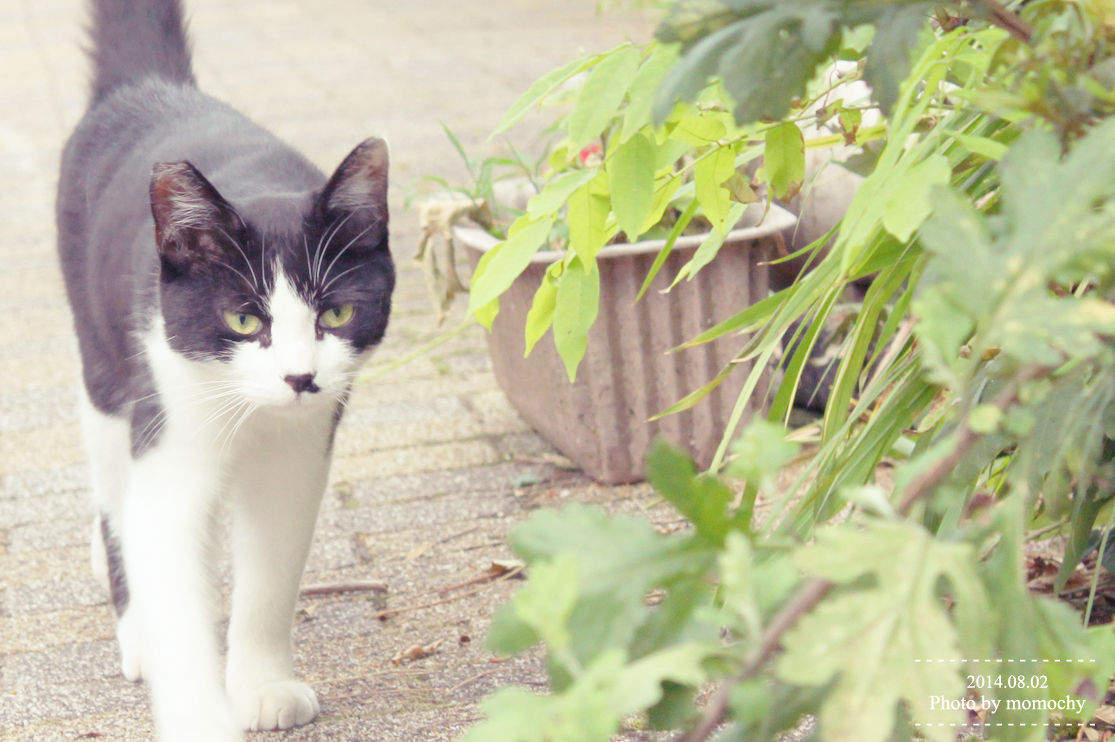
(21, 568)
(37, 408)
(26, 485)
(52, 595)
(58, 666)
(48, 506)
(51, 534)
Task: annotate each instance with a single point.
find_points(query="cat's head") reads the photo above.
(277, 300)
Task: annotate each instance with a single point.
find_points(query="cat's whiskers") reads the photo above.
(230, 415)
(250, 285)
(343, 250)
(254, 284)
(262, 258)
(248, 409)
(190, 386)
(223, 413)
(327, 237)
(150, 430)
(324, 290)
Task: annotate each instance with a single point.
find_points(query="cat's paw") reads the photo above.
(127, 636)
(278, 705)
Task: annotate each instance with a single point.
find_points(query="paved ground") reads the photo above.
(433, 466)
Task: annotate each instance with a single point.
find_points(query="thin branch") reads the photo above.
(812, 593)
(1005, 19)
(339, 588)
(924, 483)
(815, 590)
(388, 612)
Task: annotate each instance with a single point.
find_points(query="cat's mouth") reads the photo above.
(299, 395)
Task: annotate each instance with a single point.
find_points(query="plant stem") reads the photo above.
(1096, 571)
(1005, 19)
(922, 484)
(815, 589)
(812, 593)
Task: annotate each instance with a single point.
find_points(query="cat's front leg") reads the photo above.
(166, 543)
(275, 502)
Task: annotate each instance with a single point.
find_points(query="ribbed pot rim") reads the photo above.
(776, 220)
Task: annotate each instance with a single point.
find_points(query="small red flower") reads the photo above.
(591, 154)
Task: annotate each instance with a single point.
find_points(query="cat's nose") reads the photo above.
(302, 383)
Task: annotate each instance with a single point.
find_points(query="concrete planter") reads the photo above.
(601, 421)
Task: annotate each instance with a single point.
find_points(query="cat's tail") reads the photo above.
(137, 39)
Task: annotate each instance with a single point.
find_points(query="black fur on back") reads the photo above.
(133, 39)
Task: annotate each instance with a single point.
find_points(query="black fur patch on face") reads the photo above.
(351, 262)
(336, 272)
(217, 258)
(194, 302)
(212, 262)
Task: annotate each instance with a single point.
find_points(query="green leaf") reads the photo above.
(602, 94)
(501, 265)
(1037, 627)
(706, 251)
(985, 418)
(660, 259)
(641, 93)
(586, 710)
(587, 217)
(983, 146)
(761, 451)
(513, 715)
(509, 633)
(784, 160)
(694, 396)
(677, 616)
(550, 200)
(486, 315)
(709, 175)
(664, 190)
(738, 583)
(690, 75)
(631, 181)
(619, 558)
(960, 239)
(577, 303)
(908, 204)
(888, 59)
(769, 66)
(640, 685)
(872, 636)
(541, 89)
(850, 120)
(541, 314)
(701, 499)
(546, 602)
(745, 321)
(700, 127)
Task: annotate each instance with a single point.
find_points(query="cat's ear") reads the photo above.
(193, 222)
(355, 198)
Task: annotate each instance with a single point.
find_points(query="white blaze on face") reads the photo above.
(294, 342)
(295, 351)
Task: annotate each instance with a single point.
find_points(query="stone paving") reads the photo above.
(432, 464)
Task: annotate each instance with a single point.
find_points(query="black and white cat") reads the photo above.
(224, 294)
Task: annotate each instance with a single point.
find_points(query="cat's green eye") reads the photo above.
(242, 323)
(337, 316)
